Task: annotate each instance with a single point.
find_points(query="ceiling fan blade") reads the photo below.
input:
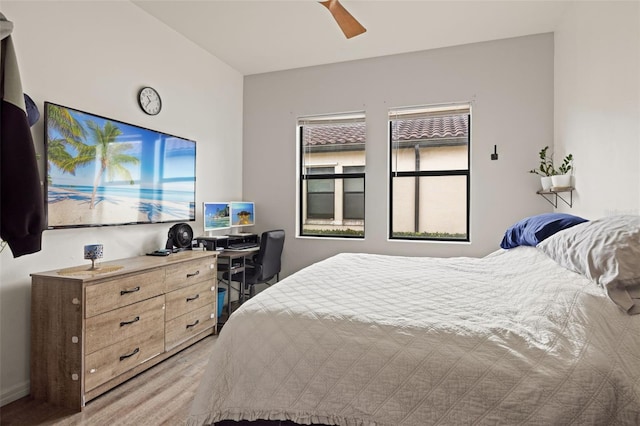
(348, 24)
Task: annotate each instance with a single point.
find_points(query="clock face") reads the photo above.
(149, 101)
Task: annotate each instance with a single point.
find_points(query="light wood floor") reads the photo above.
(161, 395)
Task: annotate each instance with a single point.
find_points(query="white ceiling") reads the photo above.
(261, 36)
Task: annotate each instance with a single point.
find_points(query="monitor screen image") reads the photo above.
(243, 213)
(216, 215)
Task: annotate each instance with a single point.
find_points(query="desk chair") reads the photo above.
(265, 265)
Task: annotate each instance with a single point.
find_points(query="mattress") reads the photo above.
(364, 339)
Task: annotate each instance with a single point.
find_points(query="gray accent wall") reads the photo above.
(510, 86)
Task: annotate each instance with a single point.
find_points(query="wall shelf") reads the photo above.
(557, 192)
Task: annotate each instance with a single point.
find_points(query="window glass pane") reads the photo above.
(354, 185)
(320, 185)
(340, 143)
(429, 207)
(320, 170)
(320, 205)
(353, 169)
(354, 205)
(430, 143)
(430, 158)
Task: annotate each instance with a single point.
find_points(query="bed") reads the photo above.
(516, 337)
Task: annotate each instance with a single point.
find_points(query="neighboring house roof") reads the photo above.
(452, 126)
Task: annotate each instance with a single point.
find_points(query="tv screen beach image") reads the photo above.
(105, 172)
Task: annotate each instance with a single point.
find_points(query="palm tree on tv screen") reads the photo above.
(72, 134)
(108, 153)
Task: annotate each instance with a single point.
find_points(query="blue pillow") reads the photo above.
(532, 230)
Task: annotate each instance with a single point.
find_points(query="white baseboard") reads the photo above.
(14, 393)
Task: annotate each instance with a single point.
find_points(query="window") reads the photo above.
(332, 176)
(429, 173)
(353, 200)
(320, 194)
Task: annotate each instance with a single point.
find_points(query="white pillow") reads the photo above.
(607, 251)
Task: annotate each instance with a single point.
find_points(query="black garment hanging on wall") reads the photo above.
(22, 217)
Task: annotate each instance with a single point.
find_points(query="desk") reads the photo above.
(225, 259)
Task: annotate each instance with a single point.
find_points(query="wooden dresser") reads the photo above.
(92, 330)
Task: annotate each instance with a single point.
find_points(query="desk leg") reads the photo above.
(242, 284)
(241, 290)
(227, 282)
(229, 292)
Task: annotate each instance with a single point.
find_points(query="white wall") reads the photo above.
(510, 84)
(95, 56)
(597, 105)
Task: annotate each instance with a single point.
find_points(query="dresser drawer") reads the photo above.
(114, 326)
(109, 295)
(180, 302)
(186, 326)
(107, 363)
(191, 272)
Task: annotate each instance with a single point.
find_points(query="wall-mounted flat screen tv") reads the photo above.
(102, 171)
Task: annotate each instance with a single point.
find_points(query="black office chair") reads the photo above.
(265, 265)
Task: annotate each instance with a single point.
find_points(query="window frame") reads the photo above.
(429, 173)
(303, 177)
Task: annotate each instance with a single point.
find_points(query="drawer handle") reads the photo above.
(191, 299)
(123, 323)
(193, 325)
(135, 351)
(133, 290)
(193, 275)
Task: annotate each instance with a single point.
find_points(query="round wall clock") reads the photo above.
(149, 100)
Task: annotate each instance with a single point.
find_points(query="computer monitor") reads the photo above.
(216, 215)
(243, 213)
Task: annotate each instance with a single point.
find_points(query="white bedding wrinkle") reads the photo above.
(605, 250)
(361, 339)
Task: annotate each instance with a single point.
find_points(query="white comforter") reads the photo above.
(361, 339)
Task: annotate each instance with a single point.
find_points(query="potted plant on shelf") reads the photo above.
(562, 179)
(545, 170)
